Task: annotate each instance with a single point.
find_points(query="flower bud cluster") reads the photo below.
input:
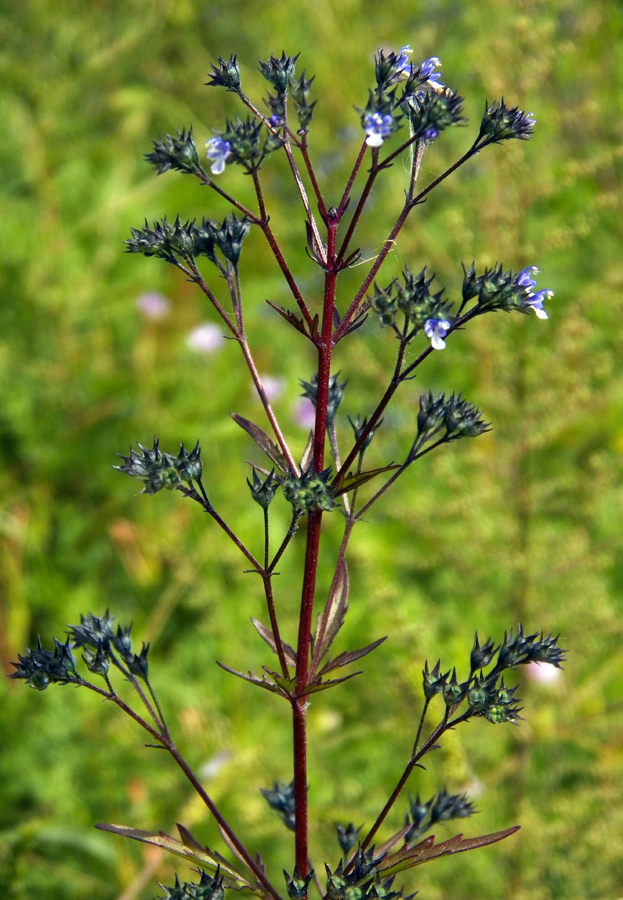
(358, 428)
(281, 799)
(241, 143)
(159, 470)
(440, 808)
(226, 74)
(297, 887)
(485, 692)
(457, 416)
(347, 837)
(299, 92)
(208, 888)
(178, 153)
(334, 397)
(430, 111)
(279, 70)
(188, 241)
(363, 881)
(413, 299)
(95, 635)
(39, 667)
(502, 123)
(263, 491)
(510, 290)
(309, 491)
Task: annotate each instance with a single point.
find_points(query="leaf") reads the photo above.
(407, 858)
(188, 848)
(384, 848)
(287, 685)
(335, 609)
(345, 658)
(308, 452)
(234, 850)
(290, 317)
(356, 479)
(263, 441)
(267, 635)
(318, 685)
(253, 679)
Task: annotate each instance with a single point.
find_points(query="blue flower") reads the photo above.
(535, 302)
(525, 278)
(427, 71)
(377, 127)
(403, 66)
(430, 134)
(436, 330)
(218, 150)
(275, 121)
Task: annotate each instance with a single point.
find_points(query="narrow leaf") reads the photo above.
(356, 479)
(345, 658)
(188, 848)
(287, 685)
(234, 850)
(317, 686)
(391, 842)
(267, 635)
(427, 850)
(263, 441)
(308, 452)
(335, 609)
(251, 678)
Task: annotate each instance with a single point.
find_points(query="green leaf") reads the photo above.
(263, 442)
(355, 479)
(188, 848)
(318, 685)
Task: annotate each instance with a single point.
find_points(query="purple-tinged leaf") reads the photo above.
(267, 635)
(188, 848)
(294, 320)
(391, 842)
(348, 657)
(308, 452)
(356, 479)
(263, 441)
(408, 857)
(252, 679)
(333, 615)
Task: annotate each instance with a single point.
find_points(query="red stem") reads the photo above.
(314, 520)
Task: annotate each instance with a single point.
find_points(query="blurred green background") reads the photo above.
(524, 523)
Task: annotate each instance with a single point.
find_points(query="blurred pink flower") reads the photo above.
(204, 338)
(304, 413)
(152, 305)
(273, 387)
(543, 673)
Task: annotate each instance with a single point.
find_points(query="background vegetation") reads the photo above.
(523, 524)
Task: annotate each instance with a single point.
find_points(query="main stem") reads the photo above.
(314, 521)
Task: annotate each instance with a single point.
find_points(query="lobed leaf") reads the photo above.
(262, 682)
(408, 857)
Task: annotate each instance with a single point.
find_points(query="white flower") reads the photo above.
(152, 305)
(436, 330)
(220, 151)
(204, 338)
